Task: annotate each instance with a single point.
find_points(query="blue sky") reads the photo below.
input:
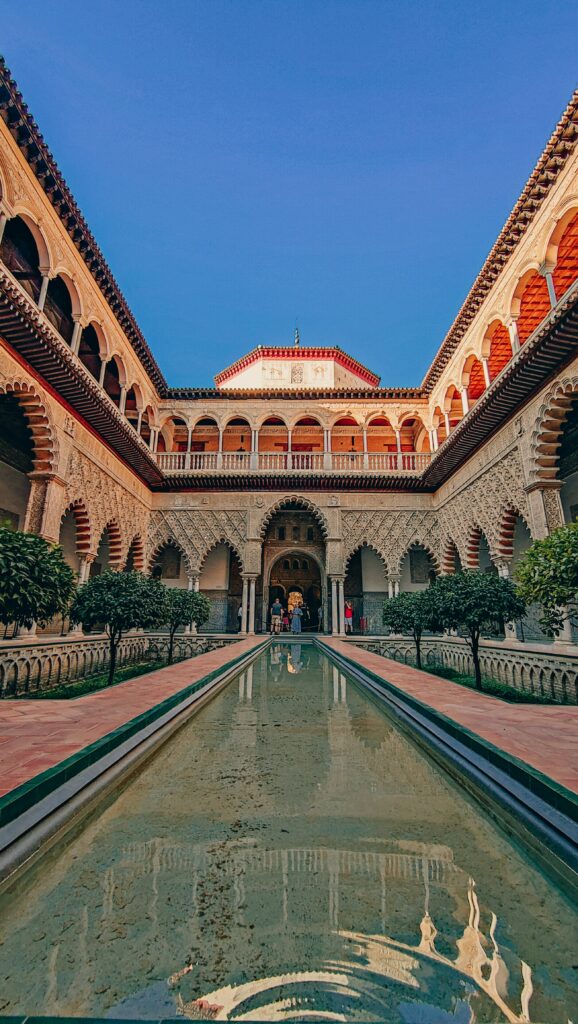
(245, 163)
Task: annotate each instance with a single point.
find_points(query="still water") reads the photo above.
(290, 854)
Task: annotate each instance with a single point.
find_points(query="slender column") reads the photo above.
(334, 608)
(486, 370)
(365, 455)
(254, 457)
(139, 422)
(326, 448)
(197, 584)
(341, 607)
(245, 604)
(154, 439)
(3, 219)
(102, 373)
(122, 399)
(75, 340)
(220, 452)
(434, 441)
(43, 290)
(514, 337)
(447, 423)
(251, 624)
(465, 400)
(546, 271)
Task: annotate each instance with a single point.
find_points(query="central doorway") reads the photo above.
(296, 581)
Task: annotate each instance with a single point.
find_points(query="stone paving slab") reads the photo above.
(543, 736)
(38, 734)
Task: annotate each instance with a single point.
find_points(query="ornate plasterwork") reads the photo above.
(195, 532)
(106, 502)
(390, 533)
(549, 426)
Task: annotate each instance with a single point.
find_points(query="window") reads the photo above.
(280, 533)
(305, 565)
(295, 564)
(310, 533)
(286, 565)
(296, 533)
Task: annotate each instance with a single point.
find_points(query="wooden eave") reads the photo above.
(290, 394)
(30, 141)
(552, 161)
(40, 347)
(251, 481)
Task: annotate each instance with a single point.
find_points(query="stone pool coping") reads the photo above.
(44, 744)
(525, 758)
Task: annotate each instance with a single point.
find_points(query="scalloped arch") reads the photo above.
(302, 503)
(39, 422)
(547, 433)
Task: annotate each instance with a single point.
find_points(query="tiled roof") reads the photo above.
(299, 352)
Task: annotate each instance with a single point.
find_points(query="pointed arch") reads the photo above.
(294, 501)
(82, 523)
(39, 423)
(370, 547)
(451, 560)
(549, 428)
(135, 557)
(222, 539)
(171, 542)
(477, 537)
(112, 529)
(417, 542)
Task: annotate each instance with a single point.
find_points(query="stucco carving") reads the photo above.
(196, 532)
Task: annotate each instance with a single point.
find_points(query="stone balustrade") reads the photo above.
(404, 463)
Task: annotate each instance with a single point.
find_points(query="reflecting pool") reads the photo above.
(290, 854)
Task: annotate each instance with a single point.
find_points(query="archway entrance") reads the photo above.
(293, 567)
(296, 581)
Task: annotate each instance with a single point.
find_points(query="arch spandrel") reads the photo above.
(196, 531)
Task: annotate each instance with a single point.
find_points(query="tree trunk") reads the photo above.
(417, 638)
(112, 660)
(171, 643)
(475, 644)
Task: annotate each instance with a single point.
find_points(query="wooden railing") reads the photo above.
(301, 462)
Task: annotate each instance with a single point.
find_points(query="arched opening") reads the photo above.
(366, 588)
(135, 556)
(307, 443)
(453, 406)
(131, 407)
(273, 443)
(221, 582)
(74, 536)
(515, 539)
(531, 304)
(294, 547)
(237, 436)
(108, 553)
(413, 435)
(89, 351)
(58, 308)
(451, 559)
(168, 565)
(16, 462)
(380, 436)
(205, 435)
(568, 464)
(175, 434)
(565, 272)
(112, 380)
(496, 348)
(19, 253)
(473, 379)
(478, 551)
(346, 436)
(417, 569)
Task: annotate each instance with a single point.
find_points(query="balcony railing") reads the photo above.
(291, 462)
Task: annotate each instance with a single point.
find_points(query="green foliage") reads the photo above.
(180, 608)
(548, 576)
(412, 613)
(35, 581)
(472, 601)
(119, 601)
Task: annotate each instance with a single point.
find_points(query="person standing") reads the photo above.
(240, 618)
(276, 613)
(348, 617)
(296, 619)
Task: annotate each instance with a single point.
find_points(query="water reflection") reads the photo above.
(289, 855)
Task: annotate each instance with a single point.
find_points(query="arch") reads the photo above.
(175, 433)
(273, 436)
(451, 561)
(439, 424)
(133, 404)
(547, 434)
(237, 435)
(38, 421)
(61, 306)
(453, 405)
(477, 548)
(562, 252)
(19, 254)
(111, 532)
(496, 348)
(346, 435)
(171, 542)
(415, 544)
(114, 378)
(205, 435)
(222, 539)
(293, 501)
(135, 557)
(506, 532)
(82, 523)
(30, 222)
(371, 547)
(272, 419)
(146, 423)
(380, 434)
(92, 348)
(530, 303)
(413, 434)
(473, 378)
(292, 554)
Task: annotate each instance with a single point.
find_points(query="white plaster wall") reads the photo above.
(68, 541)
(373, 576)
(215, 574)
(315, 373)
(569, 496)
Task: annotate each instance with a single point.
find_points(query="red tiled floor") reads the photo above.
(37, 734)
(545, 737)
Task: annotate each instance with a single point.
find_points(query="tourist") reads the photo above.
(276, 613)
(296, 619)
(240, 618)
(286, 621)
(348, 617)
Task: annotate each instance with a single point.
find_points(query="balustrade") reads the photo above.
(276, 462)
